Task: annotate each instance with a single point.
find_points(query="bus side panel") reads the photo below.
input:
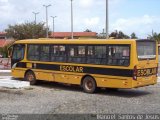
(68, 78)
(44, 75)
(57, 76)
(74, 79)
(112, 82)
(18, 73)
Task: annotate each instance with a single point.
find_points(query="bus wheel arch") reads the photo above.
(89, 84)
(30, 76)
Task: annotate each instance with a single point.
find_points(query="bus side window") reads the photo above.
(44, 56)
(33, 52)
(77, 54)
(58, 53)
(119, 55)
(97, 54)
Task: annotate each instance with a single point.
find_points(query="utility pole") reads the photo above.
(35, 15)
(46, 6)
(71, 19)
(107, 20)
(53, 24)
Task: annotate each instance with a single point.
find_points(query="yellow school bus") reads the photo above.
(90, 63)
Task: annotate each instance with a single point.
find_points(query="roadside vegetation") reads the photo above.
(26, 31)
(4, 51)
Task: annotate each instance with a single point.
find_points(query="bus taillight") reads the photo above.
(135, 73)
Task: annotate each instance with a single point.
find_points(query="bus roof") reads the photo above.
(75, 41)
(80, 41)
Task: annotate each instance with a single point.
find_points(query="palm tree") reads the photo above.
(155, 36)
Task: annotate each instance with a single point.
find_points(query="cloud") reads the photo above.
(91, 21)
(142, 25)
(2, 2)
(86, 3)
(114, 2)
(144, 20)
(88, 14)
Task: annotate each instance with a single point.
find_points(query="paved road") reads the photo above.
(55, 98)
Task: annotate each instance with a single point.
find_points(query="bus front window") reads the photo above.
(18, 53)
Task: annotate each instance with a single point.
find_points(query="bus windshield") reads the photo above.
(18, 52)
(146, 50)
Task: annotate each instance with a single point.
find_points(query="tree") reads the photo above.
(119, 35)
(26, 31)
(87, 30)
(114, 34)
(155, 36)
(4, 51)
(133, 36)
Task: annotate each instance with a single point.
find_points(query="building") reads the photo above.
(57, 35)
(4, 41)
(76, 35)
(2, 35)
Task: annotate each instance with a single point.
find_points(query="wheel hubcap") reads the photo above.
(30, 77)
(89, 85)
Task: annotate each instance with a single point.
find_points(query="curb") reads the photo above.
(5, 71)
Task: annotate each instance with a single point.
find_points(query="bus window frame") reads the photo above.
(50, 55)
(67, 53)
(107, 54)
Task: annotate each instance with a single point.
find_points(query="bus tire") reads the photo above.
(89, 85)
(30, 76)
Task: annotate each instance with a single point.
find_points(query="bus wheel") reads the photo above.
(89, 85)
(30, 76)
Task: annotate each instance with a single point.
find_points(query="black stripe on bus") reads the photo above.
(87, 70)
(21, 65)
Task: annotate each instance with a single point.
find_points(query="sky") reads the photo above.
(139, 16)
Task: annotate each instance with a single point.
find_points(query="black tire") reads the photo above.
(30, 76)
(89, 85)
